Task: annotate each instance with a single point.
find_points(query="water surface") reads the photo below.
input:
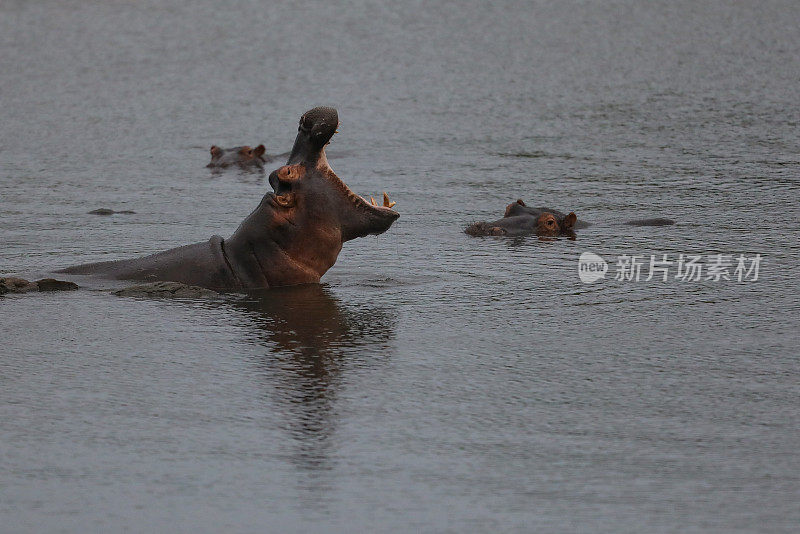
(434, 381)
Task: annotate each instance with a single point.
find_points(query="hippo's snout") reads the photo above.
(320, 124)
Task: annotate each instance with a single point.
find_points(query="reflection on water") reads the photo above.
(312, 339)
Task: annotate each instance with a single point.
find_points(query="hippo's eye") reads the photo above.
(550, 222)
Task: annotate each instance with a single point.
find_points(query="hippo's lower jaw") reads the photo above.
(293, 237)
(363, 218)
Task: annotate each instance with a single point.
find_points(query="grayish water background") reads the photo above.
(435, 382)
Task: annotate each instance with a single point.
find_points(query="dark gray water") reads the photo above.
(434, 382)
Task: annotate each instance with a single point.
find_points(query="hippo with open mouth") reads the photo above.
(293, 237)
(520, 219)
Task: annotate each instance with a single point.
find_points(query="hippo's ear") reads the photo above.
(215, 151)
(569, 220)
(259, 151)
(520, 202)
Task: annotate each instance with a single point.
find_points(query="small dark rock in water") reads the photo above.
(11, 284)
(660, 221)
(51, 284)
(106, 211)
(17, 285)
(166, 289)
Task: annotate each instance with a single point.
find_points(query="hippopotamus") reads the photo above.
(293, 237)
(520, 219)
(241, 156)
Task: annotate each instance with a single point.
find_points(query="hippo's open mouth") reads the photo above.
(371, 206)
(383, 210)
(374, 218)
(279, 180)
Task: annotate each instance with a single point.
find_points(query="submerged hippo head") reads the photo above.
(241, 156)
(520, 219)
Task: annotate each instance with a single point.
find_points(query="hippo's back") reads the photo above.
(200, 264)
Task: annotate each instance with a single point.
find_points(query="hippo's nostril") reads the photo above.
(306, 123)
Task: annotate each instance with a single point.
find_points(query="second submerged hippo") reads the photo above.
(244, 157)
(520, 219)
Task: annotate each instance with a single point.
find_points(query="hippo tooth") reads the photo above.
(372, 199)
(386, 202)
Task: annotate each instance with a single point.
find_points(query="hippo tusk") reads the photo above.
(386, 202)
